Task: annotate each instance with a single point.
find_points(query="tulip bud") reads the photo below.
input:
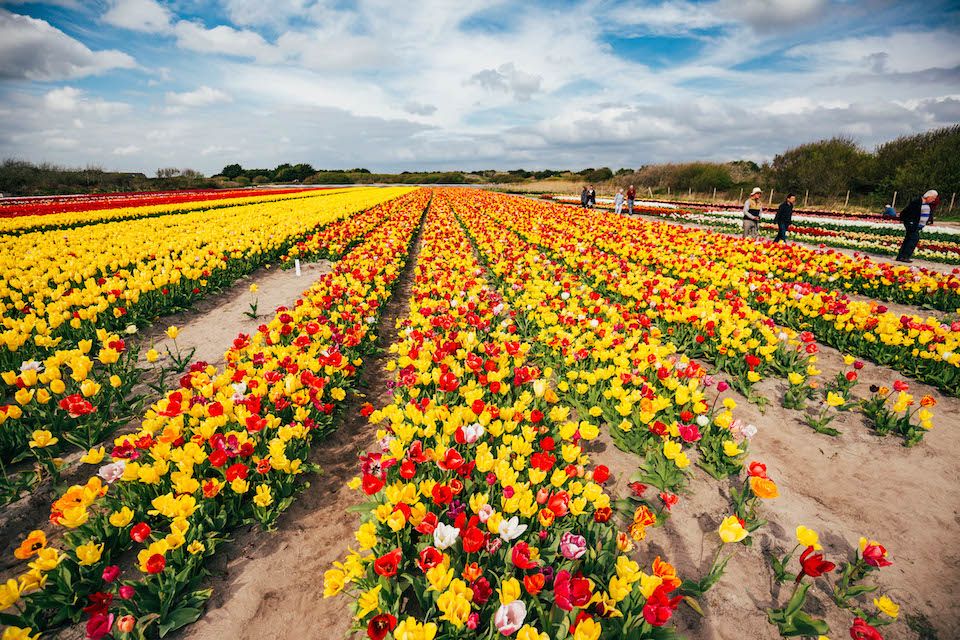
(126, 624)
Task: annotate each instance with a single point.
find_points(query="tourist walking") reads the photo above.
(631, 196)
(915, 216)
(584, 197)
(751, 213)
(784, 217)
(618, 201)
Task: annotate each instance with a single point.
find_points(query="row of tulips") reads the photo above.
(923, 348)
(517, 266)
(484, 517)
(795, 263)
(45, 216)
(78, 395)
(59, 287)
(881, 238)
(700, 323)
(613, 363)
(224, 449)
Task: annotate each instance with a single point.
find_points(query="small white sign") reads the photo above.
(296, 265)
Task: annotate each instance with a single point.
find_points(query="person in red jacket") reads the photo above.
(631, 196)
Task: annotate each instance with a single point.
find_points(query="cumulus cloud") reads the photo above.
(32, 49)
(194, 36)
(201, 97)
(138, 15)
(70, 100)
(508, 78)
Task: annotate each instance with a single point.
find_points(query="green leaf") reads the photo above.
(179, 618)
(796, 602)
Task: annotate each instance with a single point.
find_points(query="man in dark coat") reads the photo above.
(915, 216)
(584, 197)
(784, 217)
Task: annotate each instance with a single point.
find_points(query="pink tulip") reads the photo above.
(572, 546)
(509, 617)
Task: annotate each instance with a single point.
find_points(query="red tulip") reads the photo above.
(813, 564)
(660, 607)
(473, 539)
(387, 564)
(521, 556)
(601, 474)
(371, 484)
(860, 630)
(448, 382)
(757, 469)
(875, 555)
(429, 558)
(156, 563)
(140, 532)
(380, 625)
(99, 625)
(571, 591)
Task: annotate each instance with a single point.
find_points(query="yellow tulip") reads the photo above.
(89, 553)
(731, 530)
(41, 439)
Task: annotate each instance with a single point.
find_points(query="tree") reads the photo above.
(826, 167)
(232, 171)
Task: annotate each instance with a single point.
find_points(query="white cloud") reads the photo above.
(138, 15)
(201, 97)
(128, 150)
(224, 40)
(508, 78)
(74, 101)
(898, 52)
(32, 49)
(257, 12)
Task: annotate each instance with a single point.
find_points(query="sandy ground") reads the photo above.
(210, 328)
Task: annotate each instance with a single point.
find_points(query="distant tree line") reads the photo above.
(827, 168)
(22, 178)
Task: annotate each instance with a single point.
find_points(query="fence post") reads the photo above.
(650, 191)
(741, 195)
(847, 201)
(668, 191)
(690, 192)
(951, 201)
(714, 194)
(805, 196)
(894, 203)
(771, 197)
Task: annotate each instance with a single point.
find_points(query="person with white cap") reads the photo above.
(915, 216)
(752, 209)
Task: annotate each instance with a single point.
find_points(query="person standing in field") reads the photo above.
(915, 216)
(593, 197)
(784, 217)
(631, 196)
(584, 197)
(751, 213)
(618, 201)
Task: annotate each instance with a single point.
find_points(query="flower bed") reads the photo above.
(225, 448)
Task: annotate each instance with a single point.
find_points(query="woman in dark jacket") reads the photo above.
(784, 217)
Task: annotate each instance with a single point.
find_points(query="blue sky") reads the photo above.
(393, 85)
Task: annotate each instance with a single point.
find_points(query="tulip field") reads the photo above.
(490, 417)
